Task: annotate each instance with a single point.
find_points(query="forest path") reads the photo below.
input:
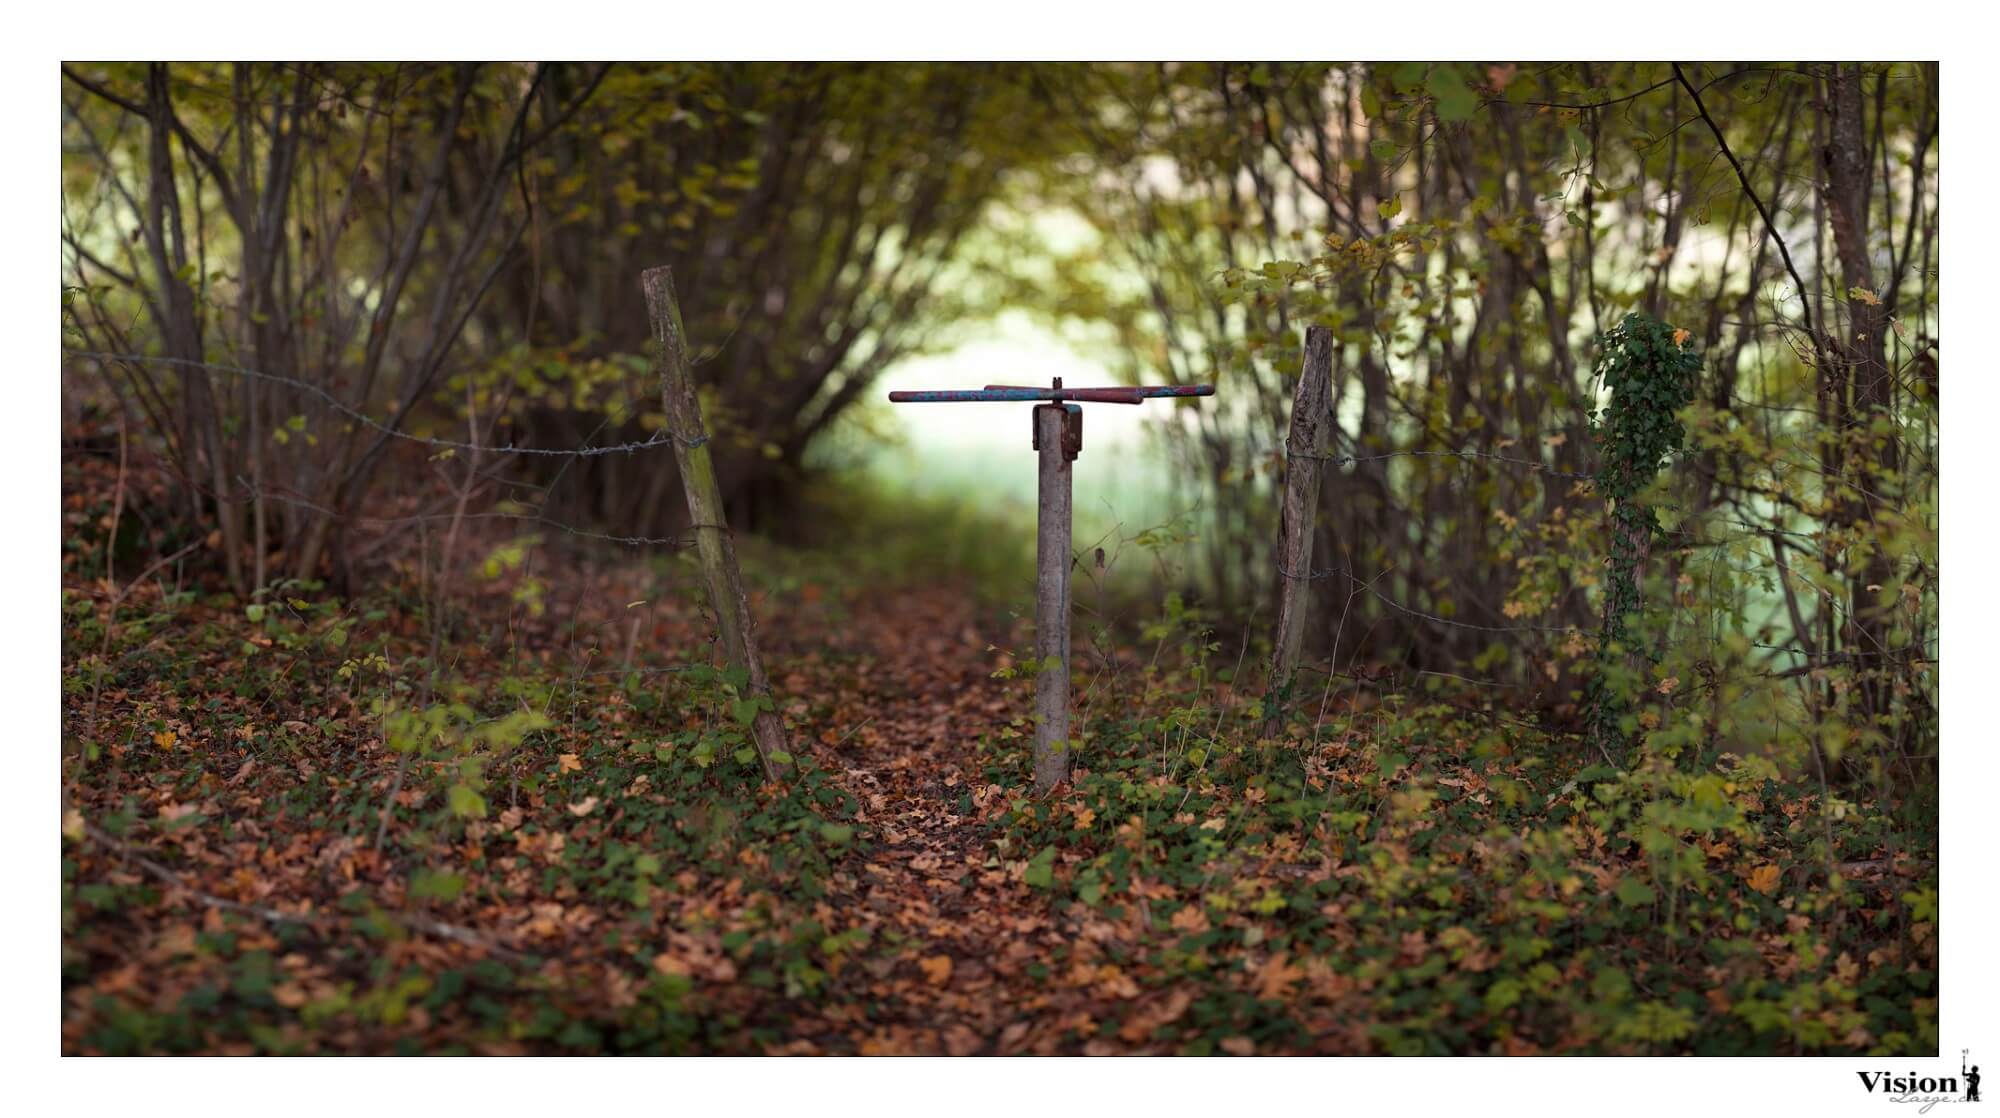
(953, 931)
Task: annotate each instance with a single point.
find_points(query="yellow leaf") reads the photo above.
(937, 969)
(1681, 337)
(73, 825)
(165, 739)
(1863, 295)
(569, 763)
(583, 806)
(1764, 879)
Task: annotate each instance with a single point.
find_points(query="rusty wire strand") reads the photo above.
(662, 439)
(1330, 572)
(1353, 459)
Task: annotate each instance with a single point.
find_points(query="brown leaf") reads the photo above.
(1764, 879)
(936, 968)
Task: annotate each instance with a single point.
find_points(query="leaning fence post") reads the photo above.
(711, 531)
(1305, 447)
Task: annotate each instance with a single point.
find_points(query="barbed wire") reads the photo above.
(685, 539)
(1356, 459)
(680, 542)
(664, 438)
(1330, 572)
(1894, 654)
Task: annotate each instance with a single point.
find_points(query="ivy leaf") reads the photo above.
(432, 885)
(1633, 892)
(465, 802)
(1041, 872)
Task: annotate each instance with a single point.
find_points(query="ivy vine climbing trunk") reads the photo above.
(1650, 372)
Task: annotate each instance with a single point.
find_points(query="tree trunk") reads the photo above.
(1305, 447)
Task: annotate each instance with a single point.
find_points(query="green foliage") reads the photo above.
(1423, 872)
(1650, 375)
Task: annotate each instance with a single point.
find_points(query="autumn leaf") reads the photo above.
(666, 962)
(1863, 295)
(583, 806)
(936, 968)
(175, 813)
(569, 763)
(1681, 336)
(1764, 879)
(1275, 978)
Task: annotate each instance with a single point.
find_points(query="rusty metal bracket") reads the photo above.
(1072, 429)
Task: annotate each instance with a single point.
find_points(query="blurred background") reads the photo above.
(304, 306)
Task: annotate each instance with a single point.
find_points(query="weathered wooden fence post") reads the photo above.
(1305, 448)
(705, 515)
(1057, 447)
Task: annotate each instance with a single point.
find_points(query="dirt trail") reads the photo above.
(955, 932)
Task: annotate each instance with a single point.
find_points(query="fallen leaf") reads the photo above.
(667, 962)
(1764, 879)
(1275, 978)
(936, 968)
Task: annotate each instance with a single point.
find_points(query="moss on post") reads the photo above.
(713, 543)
